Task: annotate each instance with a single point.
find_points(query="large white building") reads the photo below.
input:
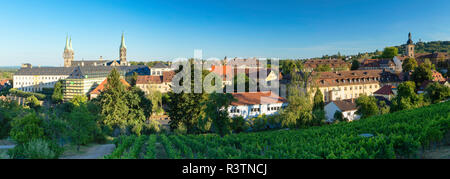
(254, 104)
(34, 79)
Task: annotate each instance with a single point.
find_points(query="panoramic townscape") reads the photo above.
(391, 103)
(133, 106)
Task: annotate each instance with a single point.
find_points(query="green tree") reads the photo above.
(33, 102)
(318, 100)
(9, 111)
(139, 109)
(409, 64)
(323, 68)
(421, 74)
(217, 110)
(114, 107)
(57, 96)
(406, 97)
(367, 106)
(82, 126)
(355, 64)
(184, 108)
(299, 111)
(27, 128)
(390, 52)
(437, 92)
(239, 124)
(78, 100)
(384, 108)
(133, 79)
(156, 98)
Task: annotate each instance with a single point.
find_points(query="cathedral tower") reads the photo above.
(410, 47)
(123, 51)
(68, 54)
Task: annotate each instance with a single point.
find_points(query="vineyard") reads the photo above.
(396, 135)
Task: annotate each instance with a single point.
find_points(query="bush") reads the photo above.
(152, 127)
(239, 124)
(25, 129)
(38, 149)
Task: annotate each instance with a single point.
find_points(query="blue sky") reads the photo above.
(35, 31)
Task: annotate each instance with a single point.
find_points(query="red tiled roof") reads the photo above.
(346, 105)
(385, 90)
(3, 82)
(168, 76)
(102, 86)
(342, 77)
(149, 79)
(153, 79)
(253, 98)
(437, 76)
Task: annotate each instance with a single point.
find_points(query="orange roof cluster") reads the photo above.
(102, 86)
(254, 98)
(438, 76)
(3, 82)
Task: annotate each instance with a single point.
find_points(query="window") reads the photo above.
(255, 110)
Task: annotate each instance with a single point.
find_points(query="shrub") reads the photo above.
(38, 149)
(25, 129)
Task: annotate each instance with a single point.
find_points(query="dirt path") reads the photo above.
(441, 153)
(7, 146)
(94, 152)
(160, 151)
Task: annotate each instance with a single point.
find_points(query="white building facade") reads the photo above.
(254, 104)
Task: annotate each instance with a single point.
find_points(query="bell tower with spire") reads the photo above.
(410, 47)
(123, 51)
(68, 54)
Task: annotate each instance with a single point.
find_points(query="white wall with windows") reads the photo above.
(251, 111)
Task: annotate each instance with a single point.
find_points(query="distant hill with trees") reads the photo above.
(428, 47)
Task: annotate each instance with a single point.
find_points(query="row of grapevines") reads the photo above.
(151, 150)
(182, 147)
(398, 134)
(135, 149)
(122, 144)
(171, 151)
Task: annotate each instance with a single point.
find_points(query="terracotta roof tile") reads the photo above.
(102, 86)
(254, 98)
(385, 90)
(346, 105)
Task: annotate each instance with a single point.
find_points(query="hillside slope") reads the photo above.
(399, 134)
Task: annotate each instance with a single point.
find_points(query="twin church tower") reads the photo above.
(69, 55)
